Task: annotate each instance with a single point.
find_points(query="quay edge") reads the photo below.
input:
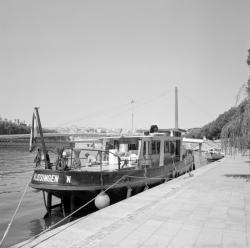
(214, 202)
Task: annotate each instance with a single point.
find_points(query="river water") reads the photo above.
(16, 167)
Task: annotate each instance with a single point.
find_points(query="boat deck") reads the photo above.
(211, 208)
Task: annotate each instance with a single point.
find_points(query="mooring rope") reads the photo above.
(112, 185)
(49, 228)
(13, 216)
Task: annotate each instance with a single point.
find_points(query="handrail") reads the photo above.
(93, 149)
(90, 150)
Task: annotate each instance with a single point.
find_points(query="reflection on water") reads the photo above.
(16, 167)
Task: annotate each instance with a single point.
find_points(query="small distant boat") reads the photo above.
(214, 154)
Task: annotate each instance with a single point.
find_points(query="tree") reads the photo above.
(236, 133)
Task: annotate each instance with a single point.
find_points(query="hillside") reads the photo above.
(219, 127)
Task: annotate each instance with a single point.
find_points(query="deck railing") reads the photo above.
(89, 159)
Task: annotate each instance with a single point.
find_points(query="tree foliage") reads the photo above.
(10, 127)
(236, 133)
(16, 127)
(213, 129)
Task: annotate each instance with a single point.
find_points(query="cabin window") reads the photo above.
(149, 147)
(178, 148)
(144, 148)
(153, 150)
(109, 146)
(166, 147)
(158, 147)
(155, 147)
(172, 147)
(132, 147)
(177, 134)
(116, 144)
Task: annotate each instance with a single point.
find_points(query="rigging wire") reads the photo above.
(142, 104)
(54, 225)
(198, 106)
(96, 114)
(121, 109)
(13, 216)
(124, 177)
(111, 186)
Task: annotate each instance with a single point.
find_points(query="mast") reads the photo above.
(132, 122)
(41, 135)
(176, 108)
(132, 115)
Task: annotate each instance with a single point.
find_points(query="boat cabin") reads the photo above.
(153, 149)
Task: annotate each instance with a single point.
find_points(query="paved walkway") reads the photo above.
(209, 209)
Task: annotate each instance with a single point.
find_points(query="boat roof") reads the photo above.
(140, 136)
(161, 133)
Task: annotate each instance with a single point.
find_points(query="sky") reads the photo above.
(94, 63)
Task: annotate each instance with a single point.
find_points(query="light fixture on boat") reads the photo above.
(102, 200)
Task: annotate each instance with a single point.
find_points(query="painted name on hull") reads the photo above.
(46, 178)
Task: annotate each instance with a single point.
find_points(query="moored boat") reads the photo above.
(134, 162)
(108, 169)
(214, 154)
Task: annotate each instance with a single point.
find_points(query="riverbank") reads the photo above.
(210, 208)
